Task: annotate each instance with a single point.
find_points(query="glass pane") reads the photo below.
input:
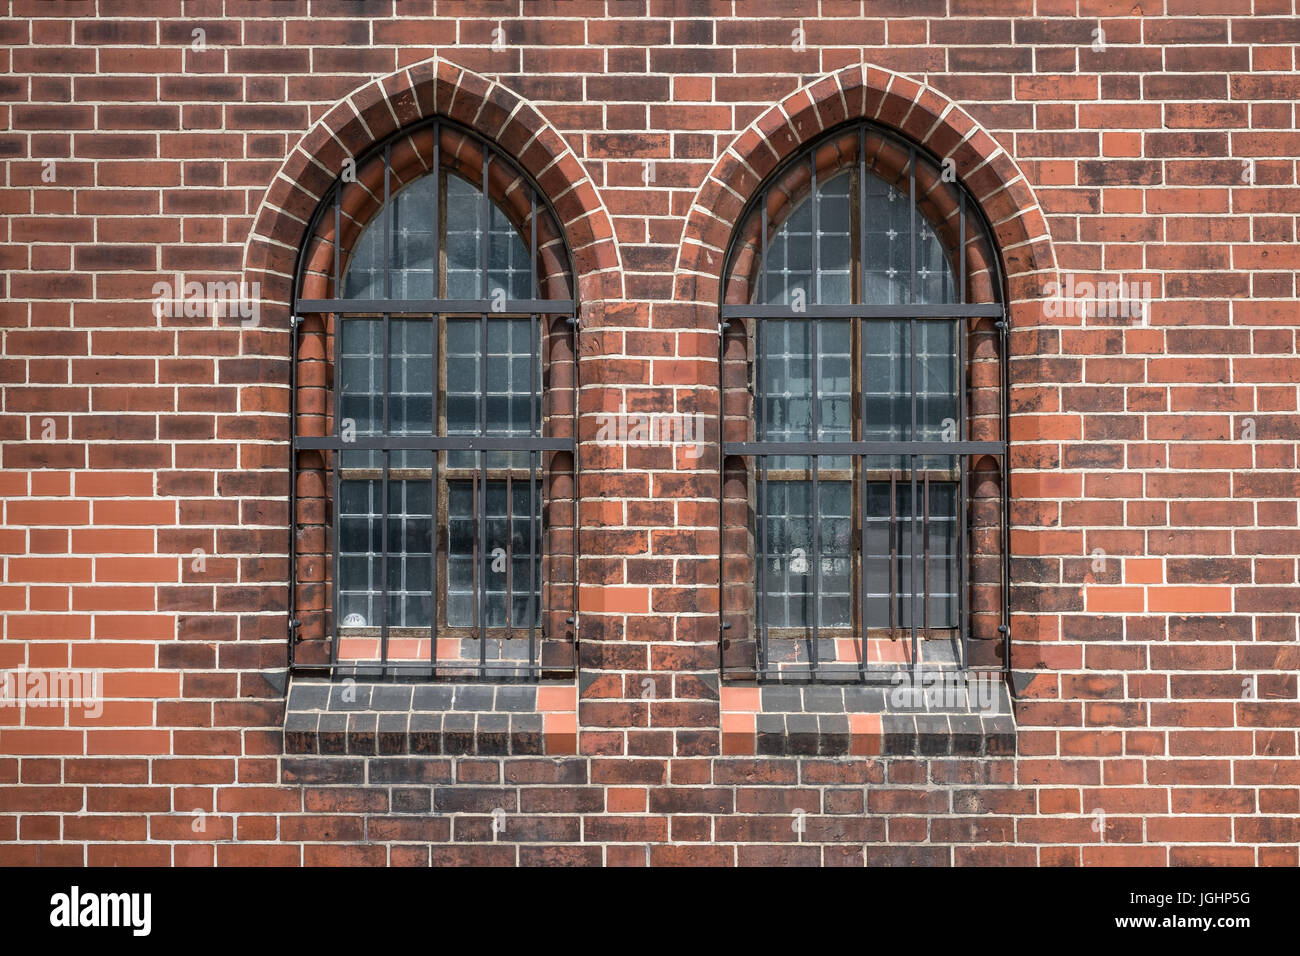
(410, 266)
(410, 382)
(886, 592)
(787, 367)
(789, 263)
(508, 265)
(888, 383)
(410, 551)
(508, 555)
(511, 405)
(788, 561)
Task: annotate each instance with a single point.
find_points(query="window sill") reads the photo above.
(374, 719)
(828, 720)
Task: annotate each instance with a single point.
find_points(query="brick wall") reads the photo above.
(1154, 525)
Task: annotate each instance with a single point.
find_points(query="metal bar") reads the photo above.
(481, 516)
(797, 448)
(510, 563)
(437, 220)
(440, 443)
(816, 556)
(925, 560)
(911, 221)
(534, 505)
(961, 253)
(760, 434)
(864, 520)
(929, 310)
(337, 278)
(386, 376)
(861, 257)
(816, 283)
(383, 569)
(532, 248)
(893, 552)
(962, 332)
(485, 220)
(476, 553)
(446, 306)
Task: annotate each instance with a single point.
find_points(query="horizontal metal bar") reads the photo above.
(830, 448)
(445, 306)
(903, 311)
(429, 443)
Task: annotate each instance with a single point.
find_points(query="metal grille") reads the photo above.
(442, 445)
(859, 456)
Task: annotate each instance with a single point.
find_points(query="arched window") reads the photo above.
(434, 395)
(864, 427)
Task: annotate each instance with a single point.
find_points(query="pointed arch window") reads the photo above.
(864, 432)
(434, 395)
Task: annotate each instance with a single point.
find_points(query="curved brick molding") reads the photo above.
(917, 112)
(429, 88)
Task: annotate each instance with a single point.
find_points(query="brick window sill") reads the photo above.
(374, 719)
(829, 720)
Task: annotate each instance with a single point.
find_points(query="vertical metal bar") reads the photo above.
(532, 248)
(477, 553)
(336, 460)
(338, 241)
(760, 418)
(816, 283)
(816, 556)
(861, 260)
(534, 505)
(863, 524)
(485, 220)
(913, 460)
(383, 584)
(925, 561)
(434, 538)
(481, 512)
(386, 359)
(510, 563)
(814, 368)
(961, 254)
(438, 290)
(911, 213)
(388, 224)
(963, 462)
(336, 456)
(436, 319)
(894, 539)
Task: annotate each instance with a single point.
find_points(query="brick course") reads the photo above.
(1153, 472)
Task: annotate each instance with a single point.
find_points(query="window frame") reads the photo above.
(551, 320)
(746, 459)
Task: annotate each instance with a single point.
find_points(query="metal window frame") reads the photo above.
(538, 311)
(962, 450)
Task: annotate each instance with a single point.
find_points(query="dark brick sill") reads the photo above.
(792, 720)
(369, 719)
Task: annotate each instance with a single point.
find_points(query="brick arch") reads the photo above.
(916, 112)
(387, 104)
